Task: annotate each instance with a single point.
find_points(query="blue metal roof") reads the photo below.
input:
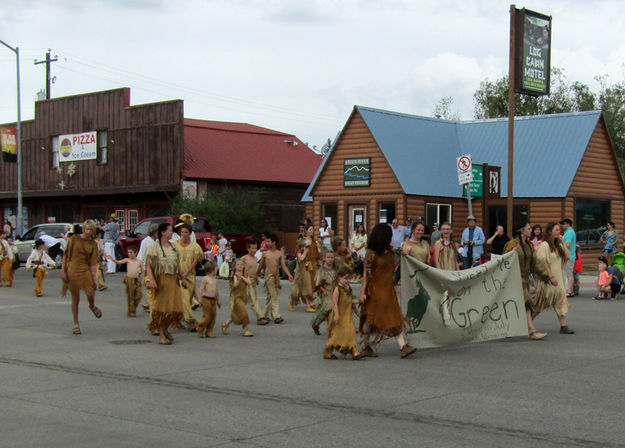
(422, 151)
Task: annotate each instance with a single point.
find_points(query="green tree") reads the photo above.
(491, 101)
(229, 209)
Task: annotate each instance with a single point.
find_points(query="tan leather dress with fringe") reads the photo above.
(81, 254)
(342, 334)
(381, 308)
(548, 295)
(167, 309)
(238, 310)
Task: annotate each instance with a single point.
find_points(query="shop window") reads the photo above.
(55, 152)
(591, 217)
(329, 212)
(102, 148)
(437, 213)
(121, 216)
(386, 212)
(133, 218)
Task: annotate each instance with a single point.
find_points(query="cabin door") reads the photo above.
(357, 215)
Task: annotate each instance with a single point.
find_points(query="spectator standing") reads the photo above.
(436, 234)
(111, 234)
(325, 234)
(609, 239)
(222, 242)
(537, 235)
(497, 242)
(398, 235)
(570, 241)
(473, 243)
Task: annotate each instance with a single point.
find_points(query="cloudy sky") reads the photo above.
(291, 65)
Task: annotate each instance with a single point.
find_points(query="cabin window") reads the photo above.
(102, 148)
(437, 213)
(386, 212)
(591, 217)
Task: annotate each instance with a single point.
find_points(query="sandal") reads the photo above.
(76, 330)
(329, 356)
(224, 328)
(96, 312)
(536, 335)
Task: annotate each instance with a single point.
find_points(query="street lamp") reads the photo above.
(20, 217)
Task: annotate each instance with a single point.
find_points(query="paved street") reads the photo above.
(114, 386)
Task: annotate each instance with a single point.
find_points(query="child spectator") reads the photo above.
(577, 270)
(607, 280)
(209, 294)
(39, 261)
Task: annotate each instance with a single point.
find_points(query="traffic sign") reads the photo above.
(464, 163)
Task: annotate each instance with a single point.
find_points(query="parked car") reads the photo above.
(201, 228)
(26, 242)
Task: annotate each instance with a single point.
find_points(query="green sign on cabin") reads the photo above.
(357, 172)
(477, 184)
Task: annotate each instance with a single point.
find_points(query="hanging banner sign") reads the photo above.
(533, 52)
(456, 307)
(8, 141)
(77, 147)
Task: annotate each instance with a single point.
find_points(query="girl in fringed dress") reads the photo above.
(238, 294)
(325, 282)
(341, 329)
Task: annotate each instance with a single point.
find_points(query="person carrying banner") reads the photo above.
(417, 246)
(529, 265)
(553, 255)
(380, 315)
(445, 252)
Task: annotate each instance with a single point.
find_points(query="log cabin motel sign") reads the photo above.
(77, 147)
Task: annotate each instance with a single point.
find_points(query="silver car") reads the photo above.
(27, 241)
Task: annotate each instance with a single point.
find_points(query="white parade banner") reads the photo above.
(453, 307)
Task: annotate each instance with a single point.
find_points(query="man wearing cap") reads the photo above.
(570, 241)
(111, 234)
(472, 243)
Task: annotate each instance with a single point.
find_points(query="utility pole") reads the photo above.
(47, 61)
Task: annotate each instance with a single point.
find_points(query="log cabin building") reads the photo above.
(386, 165)
(87, 156)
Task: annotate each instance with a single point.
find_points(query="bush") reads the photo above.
(230, 210)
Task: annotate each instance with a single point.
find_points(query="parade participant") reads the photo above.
(341, 328)
(529, 266)
(302, 285)
(311, 264)
(270, 262)
(537, 235)
(187, 218)
(189, 254)
(100, 278)
(6, 261)
(54, 245)
(250, 265)
(79, 270)
(163, 273)
(445, 252)
(134, 269)
(209, 294)
(39, 261)
(238, 291)
(143, 249)
(417, 246)
(473, 243)
(325, 282)
(13, 251)
(342, 256)
(380, 315)
(551, 293)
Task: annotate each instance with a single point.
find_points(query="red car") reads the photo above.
(201, 228)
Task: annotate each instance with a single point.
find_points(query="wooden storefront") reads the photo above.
(589, 189)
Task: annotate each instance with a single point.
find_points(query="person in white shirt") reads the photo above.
(39, 261)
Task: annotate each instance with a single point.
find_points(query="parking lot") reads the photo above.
(114, 386)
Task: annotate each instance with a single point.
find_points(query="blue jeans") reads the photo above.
(469, 262)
